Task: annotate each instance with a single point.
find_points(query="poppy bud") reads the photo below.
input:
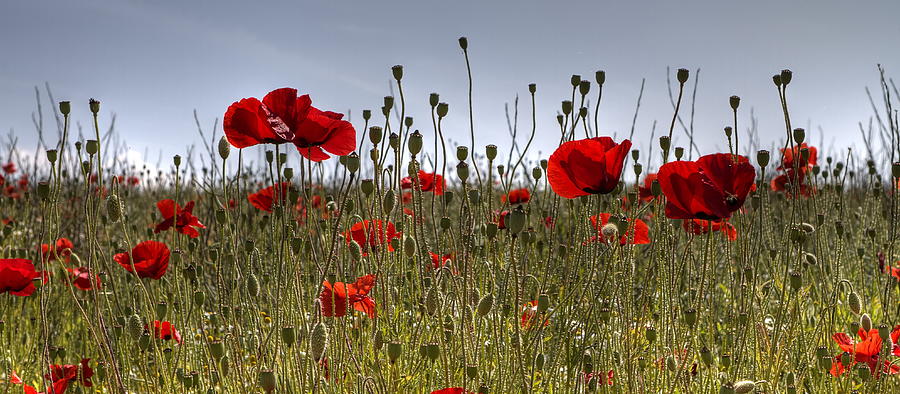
(355, 250)
(706, 356)
(796, 281)
(679, 152)
(92, 147)
(94, 105)
(584, 87)
(199, 297)
(650, 334)
(726, 388)
(566, 107)
(253, 288)
(786, 77)
(387, 202)
(462, 153)
(682, 75)
(267, 380)
(490, 230)
(367, 186)
(464, 43)
(725, 359)
(671, 363)
(144, 341)
(443, 109)
(224, 148)
(78, 146)
(388, 102)
(755, 201)
(393, 350)
(398, 72)
(762, 158)
(378, 340)
(515, 221)
(532, 88)
(217, 350)
(777, 80)
(543, 303)
(810, 258)
(865, 322)
(485, 305)
(863, 371)
(445, 223)
(135, 326)
(432, 301)
(491, 151)
(318, 340)
(799, 135)
(394, 141)
(665, 143)
(854, 302)
(288, 335)
(462, 171)
(448, 197)
(409, 246)
(415, 143)
(177, 159)
(744, 386)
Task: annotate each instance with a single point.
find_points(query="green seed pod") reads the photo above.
(318, 341)
(162, 309)
(536, 173)
(253, 287)
(854, 326)
(744, 386)
(516, 219)
(394, 349)
(224, 148)
(786, 76)
(394, 141)
(846, 358)
(177, 159)
(395, 243)
(650, 334)
(415, 143)
(532, 88)
(92, 147)
(706, 356)
(690, 317)
(144, 341)
(485, 305)
(762, 158)
(670, 363)
(884, 331)
(863, 371)
(471, 371)
(267, 380)
(367, 186)
(679, 152)
(398, 72)
(474, 197)
(433, 351)
(682, 75)
(825, 363)
(199, 297)
(462, 153)
(543, 303)
(584, 87)
(375, 135)
(491, 151)
(52, 155)
(566, 107)
(442, 109)
(865, 322)
(664, 143)
(94, 105)
(796, 281)
(725, 359)
(539, 361)
(735, 102)
(65, 107)
(217, 350)
(289, 335)
(854, 302)
(135, 326)
(462, 171)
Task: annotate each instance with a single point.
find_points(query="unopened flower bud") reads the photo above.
(516, 219)
(854, 302)
(113, 208)
(865, 322)
(744, 386)
(267, 380)
(224, 148)
(318, 341)
(485, 305)
(177, 160)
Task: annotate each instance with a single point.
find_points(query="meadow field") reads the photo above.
(379, 257)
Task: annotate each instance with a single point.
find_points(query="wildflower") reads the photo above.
(700, 226)
(165, 330)
(266, 198)
(428, 182)
(711, 188)
(9, 168)
(371, 234)
(336, 297)
(645, 191)
(517, 196)
(587, 376)
(181, 217)
(16, 277)
(790, 182)
(588, 166)
(530, 315)
(637, 234)
(790, 158)
(150, 259)
(61, 249)
(452, 390)
(283, 117)
(864, 351)
(438, 261)
(82, 279)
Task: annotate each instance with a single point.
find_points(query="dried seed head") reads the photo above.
(609, 231)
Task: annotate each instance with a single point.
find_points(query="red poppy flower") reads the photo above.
(9, 168)
(784, 184)
(165, 330)
(530, 315)
(645, 191)
(335, 298)
(549, 222)
(500, 219)
(452, 390)
(83, 280)
(894, 271)
(371, 234)
(428, 182)
(791, 158)
(438, 261)
(17, 276)
(588, 166)
(182, 218)
(601, 379)
(266, 198)
(150, 258)
(864, 351)
(711, 188)
(517, 196)
(23, 182)
(62, 249)
(283, 117)
(133, 181)
(637, 233)
(302, 208)
(700, 226)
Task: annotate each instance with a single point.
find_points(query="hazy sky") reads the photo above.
(153, 62)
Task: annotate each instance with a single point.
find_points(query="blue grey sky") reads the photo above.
(153, 62)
